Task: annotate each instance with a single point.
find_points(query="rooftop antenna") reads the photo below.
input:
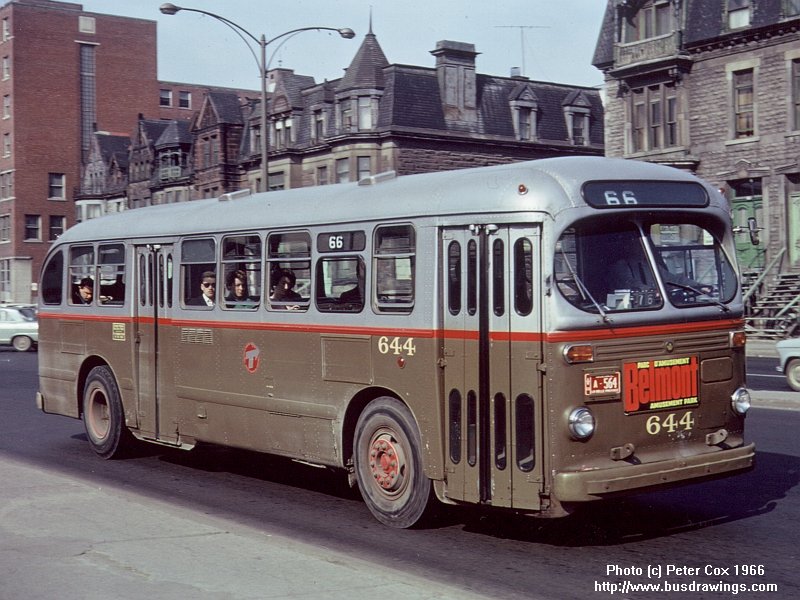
(522, 29)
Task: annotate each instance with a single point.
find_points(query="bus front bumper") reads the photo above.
(582, 486)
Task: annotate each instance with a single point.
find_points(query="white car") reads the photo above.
(19, 326)
(789, 353)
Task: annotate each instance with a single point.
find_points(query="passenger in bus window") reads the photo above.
(284, 291)
(84, 291)
(238, 295)
(208, 287)
(355, 295)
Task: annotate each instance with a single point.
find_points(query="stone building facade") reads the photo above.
(713, 86)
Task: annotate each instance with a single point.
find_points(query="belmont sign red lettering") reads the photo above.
(659, 384)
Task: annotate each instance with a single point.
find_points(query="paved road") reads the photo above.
(224, 524)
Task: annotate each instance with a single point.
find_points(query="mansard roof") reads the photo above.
(226, 107)
(150, 130)
(288, 92)
(366, 69)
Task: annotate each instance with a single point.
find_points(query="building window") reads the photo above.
(165, 98)
(277, 181)
(654, 118)
(5, 228)
(5, 276)
(6, 67)
(743, 104)
(342, 170)
(184, 99)
(322, 175)
(33, 226)
(364, 167)
(738, 13)
(7, 106)
(346, 116)
(796, 93)
(6, 185)
(6, 145)
(652, 20)
(319, 125)
(56, 186)
(57, 226)
(255, 139)
(6, 29)
(364, 113)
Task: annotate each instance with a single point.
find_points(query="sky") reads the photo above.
(550, 40)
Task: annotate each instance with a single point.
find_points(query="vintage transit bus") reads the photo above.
(529, 336)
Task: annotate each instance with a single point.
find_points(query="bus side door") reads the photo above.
(491, 357)
(154, 300)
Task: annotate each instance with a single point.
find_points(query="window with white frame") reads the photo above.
(6, 185)
(319, 125)
(33, 228)
(322, 175)
(6, 145)
(654, 118)
(5, 228)
(6, 67)
(165, 98)
(738, 13)
(184, 99)
(364, 113)
(5, 275)
(55, 189)
(364, 165)
(6, 29)
(7, 106)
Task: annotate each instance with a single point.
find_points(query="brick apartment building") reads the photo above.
(713, 86)
(64, 73)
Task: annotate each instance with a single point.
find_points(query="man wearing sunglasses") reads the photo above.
(208, 288)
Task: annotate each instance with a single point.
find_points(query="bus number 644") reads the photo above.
(396, 345)
(671, 423)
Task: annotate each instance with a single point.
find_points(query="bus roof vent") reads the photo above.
(234, 195)
(379, 178)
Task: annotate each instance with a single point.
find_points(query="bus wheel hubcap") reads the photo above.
(387, 462)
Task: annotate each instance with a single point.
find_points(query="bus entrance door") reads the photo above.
(492, 353)
(152, 307)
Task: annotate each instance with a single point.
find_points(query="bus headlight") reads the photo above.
(581, 423)
(740, 401)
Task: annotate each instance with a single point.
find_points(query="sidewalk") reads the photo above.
(62, 537)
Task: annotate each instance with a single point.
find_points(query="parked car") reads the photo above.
(789, 353)
(19, 326)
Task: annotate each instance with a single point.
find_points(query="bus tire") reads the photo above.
(793, 374)
(388, 464)
(103, 416)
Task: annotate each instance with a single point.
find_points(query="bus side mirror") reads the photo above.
(753, 228)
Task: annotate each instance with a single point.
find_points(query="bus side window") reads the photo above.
(198, 273)
(81, 274)
(340, 284)
(53, 280)
(112, 274)
(454, 277)
(241, 263)
(289, 271)
(394, 252)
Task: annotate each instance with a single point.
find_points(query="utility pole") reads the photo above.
(522, 29)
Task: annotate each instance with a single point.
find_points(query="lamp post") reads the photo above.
(347, 33)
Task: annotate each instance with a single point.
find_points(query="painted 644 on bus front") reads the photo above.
(528, 337)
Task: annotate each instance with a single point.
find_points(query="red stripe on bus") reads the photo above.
(641, 331)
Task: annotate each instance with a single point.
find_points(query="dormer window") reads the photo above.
(738, 13)
(525, 112)
(577, 110)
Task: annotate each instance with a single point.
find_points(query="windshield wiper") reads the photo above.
(584, 292)
(698, 293)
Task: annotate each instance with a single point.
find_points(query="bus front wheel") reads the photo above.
(103, 417)
(388, 464)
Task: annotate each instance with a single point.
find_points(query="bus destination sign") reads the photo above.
(342, 241)
(627, 194)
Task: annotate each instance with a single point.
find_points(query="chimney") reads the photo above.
(455, 69)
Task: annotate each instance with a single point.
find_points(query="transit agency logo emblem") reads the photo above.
(251, 357)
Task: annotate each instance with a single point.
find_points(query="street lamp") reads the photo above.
(262, 42)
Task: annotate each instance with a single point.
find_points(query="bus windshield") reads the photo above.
(630, 266)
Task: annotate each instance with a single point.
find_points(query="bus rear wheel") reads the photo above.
(103, 416)
(388, 464)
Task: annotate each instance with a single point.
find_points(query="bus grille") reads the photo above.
(193, 335)
(705, 341)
